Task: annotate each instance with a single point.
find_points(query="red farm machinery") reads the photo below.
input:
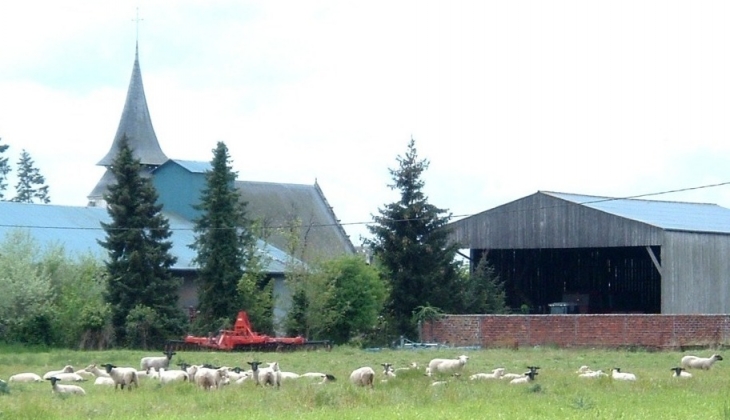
(243, 338)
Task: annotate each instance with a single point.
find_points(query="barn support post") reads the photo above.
(654, 259)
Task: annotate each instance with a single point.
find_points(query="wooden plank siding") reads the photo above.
(544, 247)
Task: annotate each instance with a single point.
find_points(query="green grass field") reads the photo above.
(557, 392)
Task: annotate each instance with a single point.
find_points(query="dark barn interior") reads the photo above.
(578, 280)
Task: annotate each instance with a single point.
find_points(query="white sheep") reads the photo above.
(122, 376)
(446, 365)
(85, 374)
(104, 380)
(314, 375)
(526, 378)
(364, 376)
(66, 369)
(167, 376)
(270, 375)
(208, 378)
(236, 373)
(156, 362)
(496, 374)
(694, 362)
(411, 366)
(680, 373)
(94, 370)
(583, 369)
(388, 371)
(69, 377)
(65, 389)
(592, 374)
(622, 376)
(289, 375)
(25, 377)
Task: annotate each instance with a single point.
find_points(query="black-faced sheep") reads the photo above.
(704, 363)
(57, 388)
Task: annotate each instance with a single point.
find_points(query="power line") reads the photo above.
(321, 225)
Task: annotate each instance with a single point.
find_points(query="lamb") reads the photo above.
(25, 377)
(208, 378)
(270, 375)
(388, 371)
(122, 376)
(289, 375)
(592, 374)
(94, 370)
(528, 377)
(446, 365)
(104, 380)
(412, 365)
(156, 362)
(364, 376)
(622, 376)
(66, 369)
(496, 374)
(680, 373)
(167, 376)
(704, 363)
(69, 377)
(65, 389)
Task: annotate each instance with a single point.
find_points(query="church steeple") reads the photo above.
(136, 124)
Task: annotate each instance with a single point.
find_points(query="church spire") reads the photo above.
(136, 124)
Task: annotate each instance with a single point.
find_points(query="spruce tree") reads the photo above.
(4, 170)
(411, 244)
(31, 184)
(223, 240)
(139, 262)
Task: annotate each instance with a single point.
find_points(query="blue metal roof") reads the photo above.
(669, 215)
(194, 166)
(78, 230)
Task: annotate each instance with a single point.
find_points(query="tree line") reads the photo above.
(31, 185)
(131, 299)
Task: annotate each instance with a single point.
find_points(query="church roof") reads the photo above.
(136, 124)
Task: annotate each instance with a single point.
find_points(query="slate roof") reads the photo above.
(136, 124)
(78, 230)
(668, 215)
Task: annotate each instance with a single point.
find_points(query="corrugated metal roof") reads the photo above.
(78, 230)
(194, 166)
(669, 215)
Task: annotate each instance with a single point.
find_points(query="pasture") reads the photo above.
(557, 393)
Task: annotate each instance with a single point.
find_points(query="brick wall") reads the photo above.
(609, 330)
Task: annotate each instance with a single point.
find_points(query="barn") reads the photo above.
(570, 253)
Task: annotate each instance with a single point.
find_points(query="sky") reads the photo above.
(503, 98)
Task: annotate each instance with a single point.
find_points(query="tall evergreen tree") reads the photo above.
(411, 243)
(223, 240)
(4, 170)
(137, 239)
(31, 184)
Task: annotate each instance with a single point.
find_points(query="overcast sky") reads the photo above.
(503, 98)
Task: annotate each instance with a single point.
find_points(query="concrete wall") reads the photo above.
(614, 330)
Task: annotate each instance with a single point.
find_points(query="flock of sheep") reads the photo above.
(209, 377)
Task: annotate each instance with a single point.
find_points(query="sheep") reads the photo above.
(526, 378)
(511, 375)
(680, 373)
(592, 374)
(496, 374)
(236, 373)
(104, 380)
(122, 376)
(288, 375)
(388, 371)
(270, 375)
(364, 376)
(208, 378)
(456, 375)
(446, 365)
(66, 369)
(411, 366)
(583, 369)
(167, 376)
(85, 374)
(156, 362)
(65, 389)
(69, 377)
(316, 375)
(25, 377)
(267, 376)
(94, 370)
(622, 376)
(704, 363)
(326, 379)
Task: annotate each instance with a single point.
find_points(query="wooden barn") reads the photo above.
(570, 253)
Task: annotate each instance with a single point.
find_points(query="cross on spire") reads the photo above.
(136, 20)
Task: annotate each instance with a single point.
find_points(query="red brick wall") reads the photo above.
(614, 330)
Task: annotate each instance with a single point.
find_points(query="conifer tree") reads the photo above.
(4, 170)
(411, 244)
(224, 242)
(139, 262)
(31, 184)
